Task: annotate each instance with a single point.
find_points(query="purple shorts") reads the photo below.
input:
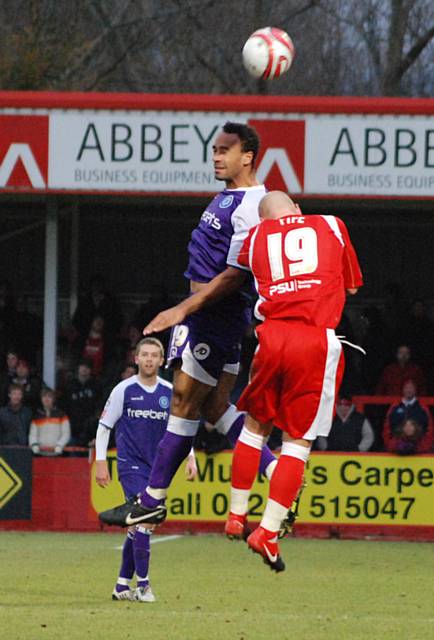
(133, 478)
(207, 346)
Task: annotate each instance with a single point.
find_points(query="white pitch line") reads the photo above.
(156, 540)
(164, 538)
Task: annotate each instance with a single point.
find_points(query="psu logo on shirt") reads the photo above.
(147, 413)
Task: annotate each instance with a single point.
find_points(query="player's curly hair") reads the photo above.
(248, 136)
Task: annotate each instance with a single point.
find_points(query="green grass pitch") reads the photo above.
(58, 586)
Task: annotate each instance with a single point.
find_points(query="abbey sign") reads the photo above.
(343, 149)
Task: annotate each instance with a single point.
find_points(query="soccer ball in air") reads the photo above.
(268, 53)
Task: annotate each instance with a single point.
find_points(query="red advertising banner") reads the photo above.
(23, 152)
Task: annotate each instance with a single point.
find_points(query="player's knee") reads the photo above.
(214, 411)
(216, 404)
(184, 407)
(258, 428)
(298, 441)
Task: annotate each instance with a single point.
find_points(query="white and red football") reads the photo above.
(268, 53)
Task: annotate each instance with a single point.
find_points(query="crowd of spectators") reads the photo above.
(98, 351)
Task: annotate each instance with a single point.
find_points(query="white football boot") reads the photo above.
(144, 594)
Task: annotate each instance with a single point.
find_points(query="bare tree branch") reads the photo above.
(307, 7)
(343, 47)
(416, 50)
(90, 50)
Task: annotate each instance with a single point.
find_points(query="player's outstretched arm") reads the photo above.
(165, 319)
(222, 285)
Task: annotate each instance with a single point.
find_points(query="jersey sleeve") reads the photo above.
(113, 408)
(353, 278)
(244, 253)
(243, 219)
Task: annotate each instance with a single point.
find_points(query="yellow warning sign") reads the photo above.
(10, 483)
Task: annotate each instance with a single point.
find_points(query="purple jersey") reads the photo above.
(139, 414)
(217, 240)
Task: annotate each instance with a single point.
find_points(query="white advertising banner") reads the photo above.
(132, 151)
(372, 155)
(171, 152)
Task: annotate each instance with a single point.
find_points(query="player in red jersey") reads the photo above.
(302, 266)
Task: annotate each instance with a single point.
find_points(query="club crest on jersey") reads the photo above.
(164, 402)
(226, 202)
(201, 351)
(180, 335)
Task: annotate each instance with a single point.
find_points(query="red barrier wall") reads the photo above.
(60, 497)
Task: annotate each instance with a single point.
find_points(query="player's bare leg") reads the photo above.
(218, 401)
(227, 420)
(284, 487)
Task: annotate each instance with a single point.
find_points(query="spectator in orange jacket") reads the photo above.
(50, 431)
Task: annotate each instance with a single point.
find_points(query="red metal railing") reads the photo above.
(361, 401)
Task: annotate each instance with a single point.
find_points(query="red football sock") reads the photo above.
(245, 461)
(286, 480)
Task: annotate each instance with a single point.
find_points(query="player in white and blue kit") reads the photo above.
(138, 408)
(205, 348)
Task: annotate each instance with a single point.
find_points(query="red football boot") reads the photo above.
(236, 527)
(265, 543)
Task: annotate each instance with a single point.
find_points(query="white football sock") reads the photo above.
(273, 515)
(239, 501)
(270, 469)
(225, 422)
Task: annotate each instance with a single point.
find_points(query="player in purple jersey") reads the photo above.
(138, 408)
(205, 348)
